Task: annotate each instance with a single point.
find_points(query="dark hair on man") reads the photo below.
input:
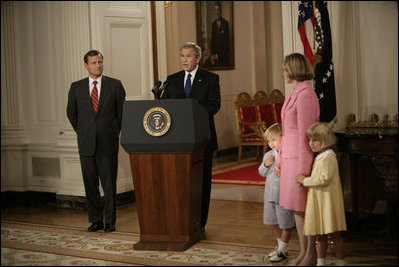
(217, 3)
(197, 48)
(91, 53)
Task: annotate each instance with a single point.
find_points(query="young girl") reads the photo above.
(325, 214)
(273, 214)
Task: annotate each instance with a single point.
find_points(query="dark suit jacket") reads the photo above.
(220, 41)
(205, 90)
(97, 133)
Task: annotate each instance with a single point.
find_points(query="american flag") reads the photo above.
(324, 70)
(306, 25)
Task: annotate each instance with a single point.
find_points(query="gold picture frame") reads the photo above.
(215, 34)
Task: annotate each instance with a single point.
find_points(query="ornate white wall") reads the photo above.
(42, 48)
(43, 44)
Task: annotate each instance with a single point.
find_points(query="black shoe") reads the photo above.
(96, 226)
(109, 227)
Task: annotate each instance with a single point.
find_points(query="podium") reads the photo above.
(165, 140)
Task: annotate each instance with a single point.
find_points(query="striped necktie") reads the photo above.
(94, 97)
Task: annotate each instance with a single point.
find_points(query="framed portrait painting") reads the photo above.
(215, 34)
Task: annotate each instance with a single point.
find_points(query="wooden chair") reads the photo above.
(276, 100)
(250, 129)
(261, 101)
(269, 110)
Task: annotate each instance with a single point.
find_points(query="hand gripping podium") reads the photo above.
(165, 140)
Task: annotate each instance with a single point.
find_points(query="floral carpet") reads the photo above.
(44, 245)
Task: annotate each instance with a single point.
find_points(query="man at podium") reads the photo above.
(203, 86)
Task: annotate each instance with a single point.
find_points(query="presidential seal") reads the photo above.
(156, 121)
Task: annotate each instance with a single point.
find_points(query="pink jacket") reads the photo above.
(300, 110)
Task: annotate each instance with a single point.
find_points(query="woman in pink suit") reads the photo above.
(299, 111)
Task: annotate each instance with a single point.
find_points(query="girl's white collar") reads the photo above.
(325, 153)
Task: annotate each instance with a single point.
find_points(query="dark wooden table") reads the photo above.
(373, 155)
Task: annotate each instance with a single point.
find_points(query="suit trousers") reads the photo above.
(103, 168)
(206, 185)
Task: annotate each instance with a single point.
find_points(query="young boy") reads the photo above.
(282, 220)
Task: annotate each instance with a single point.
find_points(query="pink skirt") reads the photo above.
(292, 195)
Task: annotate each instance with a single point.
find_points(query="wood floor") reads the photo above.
(232, 218)
(229, 221)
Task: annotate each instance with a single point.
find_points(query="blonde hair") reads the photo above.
(273, 129)
(322, 131)
(298, 67)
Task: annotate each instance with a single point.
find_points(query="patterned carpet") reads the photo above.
(43, 245)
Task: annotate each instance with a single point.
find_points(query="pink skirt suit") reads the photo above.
(300, 110)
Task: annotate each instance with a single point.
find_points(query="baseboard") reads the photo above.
(234, 151)
(33, 198)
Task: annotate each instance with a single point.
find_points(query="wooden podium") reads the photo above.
(165, 140)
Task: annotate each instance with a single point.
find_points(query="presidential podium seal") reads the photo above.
(156, 121)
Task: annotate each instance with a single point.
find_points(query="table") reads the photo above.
(373, 155)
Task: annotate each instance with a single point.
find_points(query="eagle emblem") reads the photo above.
(156, 121)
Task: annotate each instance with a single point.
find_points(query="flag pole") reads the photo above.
(314, 32)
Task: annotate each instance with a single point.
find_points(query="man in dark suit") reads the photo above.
(203, 86)
(220, 39)
(94, 110)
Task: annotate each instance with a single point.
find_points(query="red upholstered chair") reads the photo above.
(276, 100)
(269, 111)
(250, 129)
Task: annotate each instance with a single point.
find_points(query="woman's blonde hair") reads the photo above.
(273, 129)
(298, 67)
(323, 132)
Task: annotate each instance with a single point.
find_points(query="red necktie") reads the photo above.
(94, 97)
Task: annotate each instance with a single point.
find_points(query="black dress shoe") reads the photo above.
(96, 226)
(109, 227)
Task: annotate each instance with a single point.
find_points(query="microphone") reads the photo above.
(163, 88)
(155, 90)
(158, 84)
(165, 85)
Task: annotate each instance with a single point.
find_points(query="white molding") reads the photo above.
(67, 141)
(13, 135)
(173, 37)
(71, 175)
(161, 40)
(124, 184)
(146, 91)
(77, 38)
(14, 188)
(136, 9)
(97, 25)
(11, 111)
(140, 90)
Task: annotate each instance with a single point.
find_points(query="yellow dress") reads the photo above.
(325, 212)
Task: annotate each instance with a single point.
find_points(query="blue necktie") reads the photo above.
(187, 88)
